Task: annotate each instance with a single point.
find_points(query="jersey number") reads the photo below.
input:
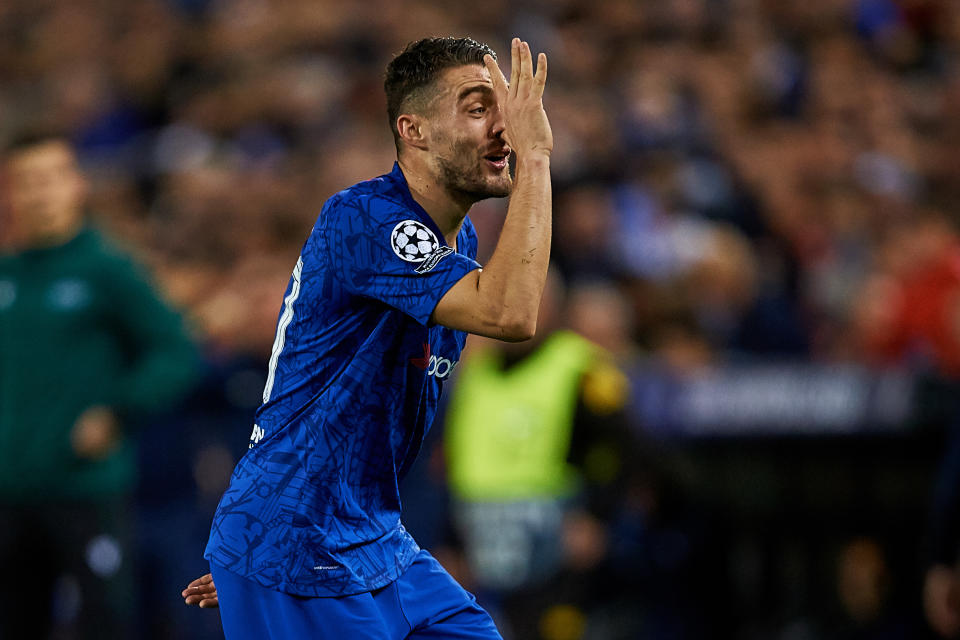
(285, 319)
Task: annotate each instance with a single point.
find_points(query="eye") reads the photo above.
(478, 110)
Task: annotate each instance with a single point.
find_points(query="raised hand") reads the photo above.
(527, 129)
(201, 592)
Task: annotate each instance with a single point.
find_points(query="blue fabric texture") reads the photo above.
(424, 602)
(313, 507)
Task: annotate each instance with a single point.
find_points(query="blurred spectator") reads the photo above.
(507, 441)
(564, 518)
(909, 313)
(865, 593)
(909, 310)
(735, 306)
(86, 346)
(599, 312)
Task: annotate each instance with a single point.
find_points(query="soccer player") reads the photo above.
(307, 539)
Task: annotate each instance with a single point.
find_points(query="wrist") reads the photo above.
(539, 156)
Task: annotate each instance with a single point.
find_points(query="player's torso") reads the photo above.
(353, 385)
(351, 365)
(315, 496)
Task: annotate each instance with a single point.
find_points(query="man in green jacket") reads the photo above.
(85, 345)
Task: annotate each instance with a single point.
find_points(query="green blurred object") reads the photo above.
(79, 326)
(508, 433)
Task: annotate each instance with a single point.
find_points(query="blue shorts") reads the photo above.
(424, 602)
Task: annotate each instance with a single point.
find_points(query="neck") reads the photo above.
(443, 207)
(48, 239)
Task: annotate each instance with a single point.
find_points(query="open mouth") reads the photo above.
(498, 160)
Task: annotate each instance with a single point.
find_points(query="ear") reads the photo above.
(412, 130)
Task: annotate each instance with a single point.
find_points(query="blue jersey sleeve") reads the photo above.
(383, 250)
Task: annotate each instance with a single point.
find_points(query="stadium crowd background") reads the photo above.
(735, 181)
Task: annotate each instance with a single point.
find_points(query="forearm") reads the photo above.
(512, 281)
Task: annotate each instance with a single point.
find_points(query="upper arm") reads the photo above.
(163, 360)
(139, 309)
(361, 241)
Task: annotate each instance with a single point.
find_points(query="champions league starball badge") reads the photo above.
(413, 241)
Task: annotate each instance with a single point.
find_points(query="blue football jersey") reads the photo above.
(356, 371)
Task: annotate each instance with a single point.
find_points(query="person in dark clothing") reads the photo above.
(86, 345)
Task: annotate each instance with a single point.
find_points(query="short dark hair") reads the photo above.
(31, 138)
(418, 65)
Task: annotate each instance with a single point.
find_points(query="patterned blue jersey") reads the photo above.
(313, 507)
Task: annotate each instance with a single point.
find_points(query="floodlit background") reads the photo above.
(755, 214)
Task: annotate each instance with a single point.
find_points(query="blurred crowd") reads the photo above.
(734, 179)
(756, 177)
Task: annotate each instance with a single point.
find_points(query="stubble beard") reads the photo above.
(463, 174)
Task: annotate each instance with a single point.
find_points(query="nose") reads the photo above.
(497, 124)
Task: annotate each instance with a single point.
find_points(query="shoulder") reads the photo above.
(468, 235)
(365, 205)
(468, 229)
(358, 226)
(104, 250)
(110, 266)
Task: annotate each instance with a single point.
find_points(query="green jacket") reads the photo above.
(79, 326)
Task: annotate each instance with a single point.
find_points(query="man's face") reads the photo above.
(45, 191)
(466, 135)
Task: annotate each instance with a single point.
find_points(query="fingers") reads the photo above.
(201, 592)
(206, 603)
(515, 45)
(201, 599)
(522, 77)
(197, 590)
(206, 600)
(496, 77)
(526, 67)
(540, 79)
(201, 581)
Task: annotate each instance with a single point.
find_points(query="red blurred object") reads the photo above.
(915, 308)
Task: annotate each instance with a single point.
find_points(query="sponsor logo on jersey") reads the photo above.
(440, 368)
(436, 366)
(256, 436)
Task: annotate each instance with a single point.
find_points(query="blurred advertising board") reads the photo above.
(772, 399)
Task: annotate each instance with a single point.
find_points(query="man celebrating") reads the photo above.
(307, 540)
